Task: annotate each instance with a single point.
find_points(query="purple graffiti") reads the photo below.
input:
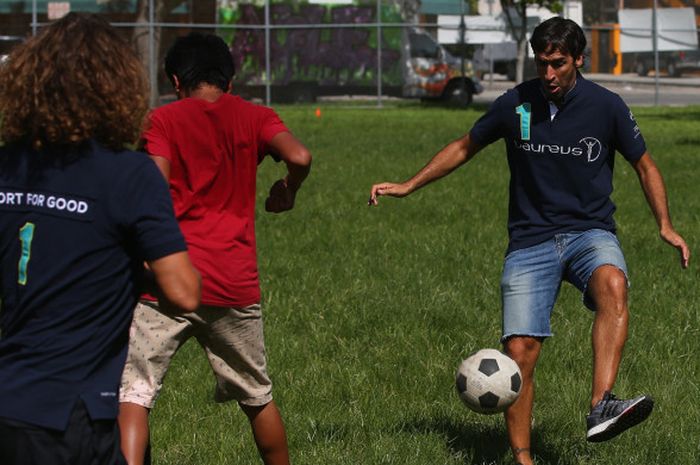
(327, 56)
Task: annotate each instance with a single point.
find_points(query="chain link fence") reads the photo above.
(289, 52)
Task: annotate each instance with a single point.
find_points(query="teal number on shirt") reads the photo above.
(26, 234)
(525, 116)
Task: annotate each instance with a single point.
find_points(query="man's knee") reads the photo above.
(608, 289)
(609, 278)
(524, 350)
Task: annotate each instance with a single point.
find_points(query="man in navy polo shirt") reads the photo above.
(79, 215)
(561, 132)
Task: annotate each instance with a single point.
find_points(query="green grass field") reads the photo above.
(370, 310)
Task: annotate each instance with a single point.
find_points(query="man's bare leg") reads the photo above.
(608, 289)
(525, 351)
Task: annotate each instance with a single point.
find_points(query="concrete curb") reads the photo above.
(633, 79)
(622, 79)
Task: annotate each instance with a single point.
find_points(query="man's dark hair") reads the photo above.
(200, 59)
(559, 34)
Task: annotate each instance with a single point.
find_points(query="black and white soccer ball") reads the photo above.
(488, 381)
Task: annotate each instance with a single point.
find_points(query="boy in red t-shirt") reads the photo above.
(208, 145)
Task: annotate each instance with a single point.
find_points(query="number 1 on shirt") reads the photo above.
(26, 234)
(525, 116)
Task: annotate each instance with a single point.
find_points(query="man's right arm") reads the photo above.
(452, 156)
(178, 281)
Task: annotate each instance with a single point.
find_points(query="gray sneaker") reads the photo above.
(611, 416)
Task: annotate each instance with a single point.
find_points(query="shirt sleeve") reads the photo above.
(628, 137)
(489, 127)
(155, 137)
(270, 125)
(146, 203)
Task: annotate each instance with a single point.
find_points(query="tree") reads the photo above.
(163, 10)
(410, 9)
(515, 12)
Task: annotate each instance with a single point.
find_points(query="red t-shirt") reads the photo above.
(213, 150)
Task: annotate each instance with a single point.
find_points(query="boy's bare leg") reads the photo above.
(133, 428)
(269, 433)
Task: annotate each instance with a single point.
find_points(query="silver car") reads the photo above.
(6, 44)
(675, 63)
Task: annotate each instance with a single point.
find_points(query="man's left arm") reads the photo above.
(655, 191)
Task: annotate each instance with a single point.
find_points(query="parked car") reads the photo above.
(674, 63)
(6, 44)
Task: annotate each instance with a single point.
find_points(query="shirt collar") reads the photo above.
(571, 92)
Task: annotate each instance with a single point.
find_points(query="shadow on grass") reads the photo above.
(483, 444)
(437, 103)
(689, 141)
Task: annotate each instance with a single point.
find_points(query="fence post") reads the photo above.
(654, 32)
(267, 53)
(379, 53)
(152, 75)
(34, 17)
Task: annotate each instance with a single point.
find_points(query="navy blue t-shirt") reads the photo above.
(73, 238)
(561, 170)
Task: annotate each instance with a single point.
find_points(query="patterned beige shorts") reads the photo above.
(231, 337)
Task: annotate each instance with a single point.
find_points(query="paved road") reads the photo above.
(635, 90)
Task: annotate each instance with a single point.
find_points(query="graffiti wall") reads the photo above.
(327, 56)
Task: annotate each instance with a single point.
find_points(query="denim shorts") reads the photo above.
(532, 277)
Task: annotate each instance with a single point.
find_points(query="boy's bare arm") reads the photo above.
(298, 160)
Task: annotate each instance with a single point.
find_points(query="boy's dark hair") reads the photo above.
(559, 34)
(200, 59)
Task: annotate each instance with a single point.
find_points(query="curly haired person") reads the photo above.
(79, 216)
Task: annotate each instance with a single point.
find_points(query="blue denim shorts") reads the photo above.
(532, 277)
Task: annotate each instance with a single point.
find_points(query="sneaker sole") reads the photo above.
(634, 415)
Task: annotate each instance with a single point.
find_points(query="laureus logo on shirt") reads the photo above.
(588, 146)
(592, 148)
(635, 129)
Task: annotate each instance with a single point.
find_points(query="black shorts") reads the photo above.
(84, 442)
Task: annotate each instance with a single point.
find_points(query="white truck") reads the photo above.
(308, 60)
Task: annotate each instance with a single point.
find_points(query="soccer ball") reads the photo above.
(488, 381)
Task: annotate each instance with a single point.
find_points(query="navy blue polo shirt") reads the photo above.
(73, 238)
(561, 169)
